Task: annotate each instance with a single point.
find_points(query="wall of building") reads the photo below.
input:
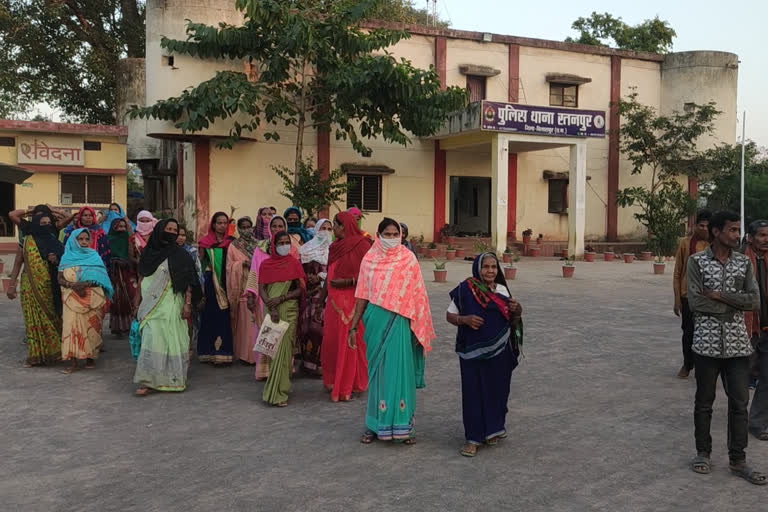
(487, 54)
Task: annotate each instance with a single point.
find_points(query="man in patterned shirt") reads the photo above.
(721, 287)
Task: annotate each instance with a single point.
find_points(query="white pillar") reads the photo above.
(577, 198)
(499, 189)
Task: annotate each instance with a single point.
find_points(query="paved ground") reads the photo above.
(597, 421)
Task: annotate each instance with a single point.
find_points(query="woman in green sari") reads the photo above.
(282, 283)
(393, 304)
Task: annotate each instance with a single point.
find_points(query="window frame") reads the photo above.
(85, 186)
(562, 95)
(484, 80)
(380, 191)
(563, 199)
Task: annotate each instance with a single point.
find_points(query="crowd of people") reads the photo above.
(355, 308)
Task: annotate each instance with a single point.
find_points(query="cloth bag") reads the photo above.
(270, 336)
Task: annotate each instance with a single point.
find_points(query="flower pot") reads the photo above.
(2, 266)
(507, 257)
(450, 254)
(646, 255)
(432, 253)
(534, 251)
(589, 256)
(6, 284)
(423, 250)
(568, 270)
(564, 253)
(510, 272)
(460, 253)
(609, 256)
(658, 268)
(629, 258)
(526, 239)
(440, 275)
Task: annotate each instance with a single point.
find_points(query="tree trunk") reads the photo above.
(133, 28)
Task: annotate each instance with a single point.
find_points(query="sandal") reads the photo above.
(143, 391)
(748, 474)
(368, 437)
(701, 464)
(468, 450)
(410, 441)
(69, 370)
(27, 364)
(282, 404)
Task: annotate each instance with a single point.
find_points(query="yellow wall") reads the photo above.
(460, 52)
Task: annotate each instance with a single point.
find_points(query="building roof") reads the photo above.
(63, 128)
(522, 41)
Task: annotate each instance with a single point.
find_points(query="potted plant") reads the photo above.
(609, 254)
(481, 247)
(510, 270)
(568, 267)
(589, 254)
(507, 256)
(432, 252)
(659, 265)
(440, 272)
(450, 252)
(534, 251)
(564, 252)
(460, 253)
(629, 257)
(527, 234)
(646, 255)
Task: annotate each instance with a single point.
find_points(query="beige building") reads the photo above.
(540, 152)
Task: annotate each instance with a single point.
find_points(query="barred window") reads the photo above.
(364, 192)
(87, 188)
(558, 196)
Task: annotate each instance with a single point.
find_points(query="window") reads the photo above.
(563, 95)
(7, 141)
(476, 86)
(87, 188)
(558, 196)
(92, 145)
(364, 192)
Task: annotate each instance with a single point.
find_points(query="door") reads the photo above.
(471, 205)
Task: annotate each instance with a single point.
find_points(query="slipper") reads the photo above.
(701, 464)
(143, 391)
(368, 437)
(468, 450)
(748, 474)
(69, 371)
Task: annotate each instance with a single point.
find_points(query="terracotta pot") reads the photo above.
(658, 268)
(568, 270)
(646, 255)
(507, 257)
(6, 284)
(2, 266)
(526, 239)
(423, 250)
(589, 256)
(460, 253)
(564, 253)
(534, 251)
(440, 275)
(609, 256)
(510, 273)
(629, 258)
(450, 255)
(432, 253)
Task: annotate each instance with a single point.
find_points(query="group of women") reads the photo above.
(355, 306)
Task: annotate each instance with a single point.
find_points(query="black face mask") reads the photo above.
(296, 224)
(169, 238)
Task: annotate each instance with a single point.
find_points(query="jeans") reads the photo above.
(686, 316)
(758, 411)
(734, 372)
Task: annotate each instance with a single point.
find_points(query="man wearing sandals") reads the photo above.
(757, 325)
(721, 287)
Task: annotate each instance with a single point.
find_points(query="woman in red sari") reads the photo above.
(345, 371)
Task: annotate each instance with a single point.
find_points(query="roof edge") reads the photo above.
(63, 128)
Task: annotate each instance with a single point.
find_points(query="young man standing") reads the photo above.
(721, 286)
(689, 245)
(757, 326)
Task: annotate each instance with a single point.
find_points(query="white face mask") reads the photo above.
(390, 243)
(323, 235)
(283, 250)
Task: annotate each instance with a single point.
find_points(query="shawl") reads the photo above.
(297, 230)
(110, 217)
(317, 248)
(209, 241)
(391, 279)
(91, 267)
(260, 255)
(247, 240)
(180, 264)
(278, 269)
(144, 229)
(261, 229)
(481, 292)
(350, 250)
(46, 237)
(118, 240)
(96, 230)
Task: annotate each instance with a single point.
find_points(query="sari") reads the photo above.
(239, 257)
(39, 303)
(99, 238)
(83, 316)
(488, 355)
(215, 344)
(124, 281)
(260, 254)
(314, 259)
(280, 275)
(398, 332)
(345, 371)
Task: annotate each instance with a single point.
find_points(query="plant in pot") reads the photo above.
(629, 257)
(481, 247)
(568, 266)
(527, 234)
(589, 254)
(440, 272)
(659, 266)
(507, 256)
(432, 252)
(609, 254)
(450, 252)
(534, 251)
(460, 253)
(646, 255)
(510, 270)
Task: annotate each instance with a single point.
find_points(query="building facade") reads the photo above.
(71, 165)
(478, 178)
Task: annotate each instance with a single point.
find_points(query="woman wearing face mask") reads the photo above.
(86, 219)
(282, 284)
(393, 304)
(145, 224)
(299, 234)
(314, 259)
(124, 279)
(260, 254)
(170, 289)
(239, 257)
(214, 344)
(345, 371)
(85, 289)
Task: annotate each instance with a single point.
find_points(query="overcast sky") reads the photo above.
(737, 26)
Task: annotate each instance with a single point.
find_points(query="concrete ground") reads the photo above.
(597, 421)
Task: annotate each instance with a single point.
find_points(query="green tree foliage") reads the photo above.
(65, 53)
(314, 66)
(403, 11)
(313, 191)
(654, 35)
(662, 148)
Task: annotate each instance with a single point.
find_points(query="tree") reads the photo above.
(403, 11)
(65, 53)
(654, 35)
(663, 148)
(312, 67)
(313, 192)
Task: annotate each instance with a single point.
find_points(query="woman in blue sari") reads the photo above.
(488, 344)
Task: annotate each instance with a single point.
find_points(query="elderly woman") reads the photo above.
(488, 344)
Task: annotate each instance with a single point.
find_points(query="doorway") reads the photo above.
(7, 204)
(471, 205)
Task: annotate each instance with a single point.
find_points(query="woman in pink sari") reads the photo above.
(239, 259)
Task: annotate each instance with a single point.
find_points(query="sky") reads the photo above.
(736, 26)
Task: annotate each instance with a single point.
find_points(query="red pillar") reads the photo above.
(514, 89)
(693, 191)
(613, 151)
(324, 158)
(203, 185)
(439, 192)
